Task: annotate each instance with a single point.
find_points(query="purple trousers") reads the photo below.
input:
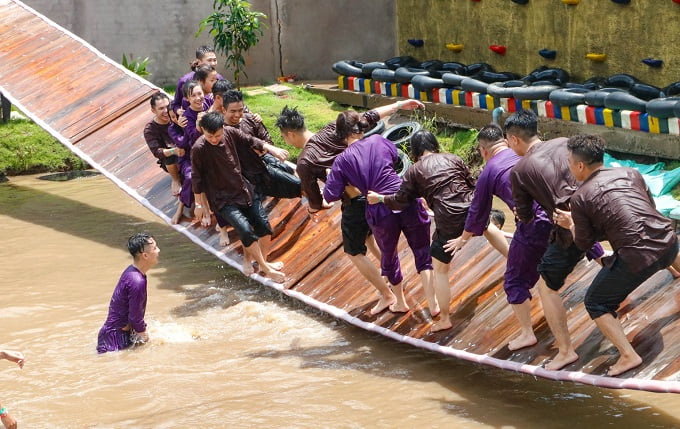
(528, 245)
(186, 195)
(387, 226)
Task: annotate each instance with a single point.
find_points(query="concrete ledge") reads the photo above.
(618, 139)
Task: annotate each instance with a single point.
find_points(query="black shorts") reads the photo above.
(437, 247)
(168, 160)
(280, 184)
(354, 227)
(557, 263)
(250, 222)
(612, 285)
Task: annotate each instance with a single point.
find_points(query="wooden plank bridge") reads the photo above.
(101, 119)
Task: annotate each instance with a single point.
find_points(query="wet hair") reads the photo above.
(188, 88)
(156, 97)
(350, 122)
(489, 136)
(202, 50)
(220, 87)
(137, 243)
(211, 122)
(231, 96)
(497, 217)
(202, 72)
(587, 148)
(523, 124)
(291, 119)
(422, 141)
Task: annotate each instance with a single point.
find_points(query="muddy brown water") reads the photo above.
(226, 351)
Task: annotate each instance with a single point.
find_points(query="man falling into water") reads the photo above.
(125, 323)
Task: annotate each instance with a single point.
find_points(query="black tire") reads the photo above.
(568, 96)
(474, 85)
(499, 91)
(401, 134)
(672, 89)
(645, 92)
(403, 61)
(491, 77)
(368, 68)
(383, 75)
(621, 80)
(475, 68)
(345, 68)
(541, 92)
(379, 128)
(403, 164)
(405, 74)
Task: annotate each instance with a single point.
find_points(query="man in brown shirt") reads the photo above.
(319, 150)
(614, 204)
(218, 184)
(543, 175)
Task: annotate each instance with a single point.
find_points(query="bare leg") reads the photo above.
(400, 306)
(497, 239)
(373, 246)
(371, 273)
(526, 336)
(224, 237)
(443, 294)
(427, 279)
(612, 329)
(255, 252)
(556, 316)
(675, 268)
(176, 186)
(177, 217)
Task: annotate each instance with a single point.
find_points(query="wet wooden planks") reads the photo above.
(104, 118)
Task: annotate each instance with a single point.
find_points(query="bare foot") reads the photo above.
(561, 360)
(673, 272)
(624, 364)
(382, 304)
(397, 308)
(224, 237)
(441, 325)
(248, 267)
(278, 266)
(434, 311)
(177, 217)
(175, 188)
(522, 341)
(275, 275)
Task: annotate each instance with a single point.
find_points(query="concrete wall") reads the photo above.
(626, 33)
(304, 36)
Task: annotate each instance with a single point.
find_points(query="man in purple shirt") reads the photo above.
(368, 164)
(614, 204)
(125, 323)
(529, 241)
(542, 176)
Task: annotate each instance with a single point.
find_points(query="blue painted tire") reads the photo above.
(367, 68)
(534, 92)
(667, 107)
(452, 79)
(596, 98)
(568, 96)
(471, 84)
(426, 83)
(405, 74)
(348, 68)
(624, 101)
(383, 75)
(499, 91)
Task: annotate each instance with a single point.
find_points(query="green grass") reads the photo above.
(25, 148)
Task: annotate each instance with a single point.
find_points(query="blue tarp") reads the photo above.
(659, 181)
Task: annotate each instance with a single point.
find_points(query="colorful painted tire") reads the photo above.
(453, 80)
(568, 96)
(405, 74)
(667, 107)
(348, 68)
(621, 80)
(624, 101)
(645, 92)
(672, 89)
(426, 83)
(383, 75)
(491, 77)
(401, 133)
(534, 92)
(379, 128)
(367, 68)
(596, 98)
(403, 61)
(499, 91)
(474, 85)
